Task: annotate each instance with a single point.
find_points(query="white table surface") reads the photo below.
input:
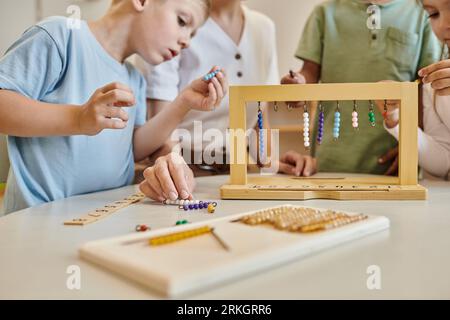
(413, 255)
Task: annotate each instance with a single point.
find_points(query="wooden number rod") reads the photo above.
(104, 212)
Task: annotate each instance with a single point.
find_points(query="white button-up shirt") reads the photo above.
(251, 62)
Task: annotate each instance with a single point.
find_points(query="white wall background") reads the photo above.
(17, 15)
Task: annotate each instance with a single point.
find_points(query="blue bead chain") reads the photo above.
(320, 124)
(211, 75)
(260, 133)
(337, 122)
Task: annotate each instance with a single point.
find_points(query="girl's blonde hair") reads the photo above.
(206, 4)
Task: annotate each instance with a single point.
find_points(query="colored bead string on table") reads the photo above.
(337, 122)
(355, 116)
(260, 135)
(192, 204)
(306, 142)
(371, 114)
(211, 206)
(320, 124)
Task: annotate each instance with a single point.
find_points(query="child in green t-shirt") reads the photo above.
(350, 41)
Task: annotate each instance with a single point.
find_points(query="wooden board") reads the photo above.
(179, 268)
(362, 187)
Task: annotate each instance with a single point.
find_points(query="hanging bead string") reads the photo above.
(371, 114)
(385, 112)
(260, 135)
(337, 122)
(320, 124)
(275, 106)
(306, 142)
(355, 116)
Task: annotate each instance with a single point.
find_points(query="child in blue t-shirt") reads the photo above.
(74, 110)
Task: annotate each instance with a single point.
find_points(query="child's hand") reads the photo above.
(205, 95)
(390, 111)
(103, 110)
(296, 164)
(293, 78)
(438, 75)
(170, 178)
(390, 156)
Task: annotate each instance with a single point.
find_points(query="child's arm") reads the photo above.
(24, 117)
(200, 95)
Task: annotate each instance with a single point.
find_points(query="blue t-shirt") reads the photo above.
(56, 64)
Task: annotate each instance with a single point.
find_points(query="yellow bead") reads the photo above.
(211, 208)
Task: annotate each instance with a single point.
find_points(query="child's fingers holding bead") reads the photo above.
(152, 180)
(221, 76)
(177, 171)
(425, 72)
(219, 91)
(165, 180)
(437, 75)
(149, 192)
(210, 101)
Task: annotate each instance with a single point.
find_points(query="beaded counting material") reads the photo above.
(200, 205)
(142, 228)
(320, 124)
(301, 219)
(355, 116)
(211, 75)
(180, 222)
(240, 185)
(179, 236)
(337, 122)
(192, 204)
(306, 142)
(371, 114)
(260, 135)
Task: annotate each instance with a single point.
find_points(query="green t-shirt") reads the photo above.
(337, 37)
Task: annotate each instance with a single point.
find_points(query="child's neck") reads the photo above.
(113, 35)
(229, 15)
